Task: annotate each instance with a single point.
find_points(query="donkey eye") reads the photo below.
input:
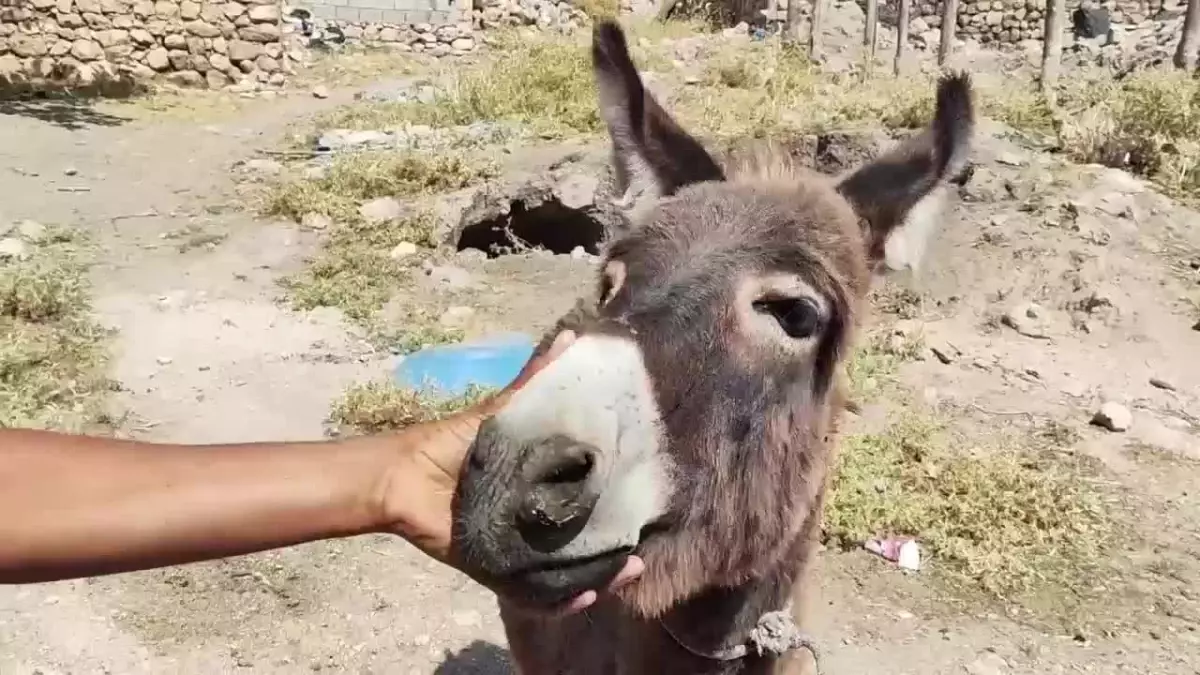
(800, 318)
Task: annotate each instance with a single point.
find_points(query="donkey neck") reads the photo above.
(705, 631)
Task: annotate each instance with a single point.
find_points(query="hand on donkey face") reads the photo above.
(440, 456)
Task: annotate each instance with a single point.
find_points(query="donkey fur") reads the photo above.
(752, 427)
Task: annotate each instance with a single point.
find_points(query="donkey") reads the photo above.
(692, 422)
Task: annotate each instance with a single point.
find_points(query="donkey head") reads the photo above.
(689, 421)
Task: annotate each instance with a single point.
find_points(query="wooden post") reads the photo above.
(870, 29)
(901, 34)
(791, 22)
(1185, 53)
(949, 24)
(1052, 47)
(814, 29)
(664, 9)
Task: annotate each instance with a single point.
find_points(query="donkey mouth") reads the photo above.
(553, 583)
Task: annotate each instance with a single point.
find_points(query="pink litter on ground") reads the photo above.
(903, 551)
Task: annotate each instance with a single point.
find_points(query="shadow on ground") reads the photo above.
(68, 113)
(477, 658)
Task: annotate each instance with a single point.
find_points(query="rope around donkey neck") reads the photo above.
(775, 634)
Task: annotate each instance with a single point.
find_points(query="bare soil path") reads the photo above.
(206, 353)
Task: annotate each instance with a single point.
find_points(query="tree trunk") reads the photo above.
(1185, 54)
(1052, 47)
(949, 23)
(870, 29)
(664, 9)
(791, 22)
(814, 30)
(901, 34)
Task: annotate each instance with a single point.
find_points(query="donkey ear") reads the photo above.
(652, 155)
(895, 194)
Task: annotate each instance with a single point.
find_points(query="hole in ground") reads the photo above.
(550, 225)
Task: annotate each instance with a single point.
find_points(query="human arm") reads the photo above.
(74, 506)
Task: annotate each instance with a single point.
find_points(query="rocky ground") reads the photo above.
(1053, 290)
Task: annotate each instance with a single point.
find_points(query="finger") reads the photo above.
(581, 602)
(634, 566)
(561, 342)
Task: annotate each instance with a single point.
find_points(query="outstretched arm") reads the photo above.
(73, 506)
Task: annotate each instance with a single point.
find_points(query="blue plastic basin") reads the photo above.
(449, 370)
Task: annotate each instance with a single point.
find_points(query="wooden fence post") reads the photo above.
(901, 34)
(1052, 47)
(949, 24)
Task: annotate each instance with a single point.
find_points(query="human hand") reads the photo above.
(419, 491)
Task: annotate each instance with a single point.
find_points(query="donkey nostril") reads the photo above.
(573, 469)
(555, 504)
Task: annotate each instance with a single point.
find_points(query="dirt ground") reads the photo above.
(206, 352)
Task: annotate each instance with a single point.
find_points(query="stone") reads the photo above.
(1159, 383)
(86, 50)
(381, 210)
(1009, 159)
(157, 59)
(202, 29)
(219, 62)
(316, 221)
(12, 248)
(1113, 416)
(60, 48)
(262, 167)
(240, 50)
(186, 78)
(266, 64)
(463, 44)
(28, 46)
(166, 9)
(215, 79)
(265, 13)
(457, 316)
(403, 250)
(988, 663)
(175, 42)
(449, 276)
(141, 36)
(179, 59)
(1028, 319)
(31, 231)
(577, 191)
(263, 33)
(320, 91)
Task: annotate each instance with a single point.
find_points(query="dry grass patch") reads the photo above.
(760, 88)
(1021, 520)
(354, 270)
(382, 406)
(362, 176)
(52, 354)
(542, 82)
(1148, 122)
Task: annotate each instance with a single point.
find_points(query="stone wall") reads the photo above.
(1012, 21)
(545, 14)
(436, 27)
(106, 43)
